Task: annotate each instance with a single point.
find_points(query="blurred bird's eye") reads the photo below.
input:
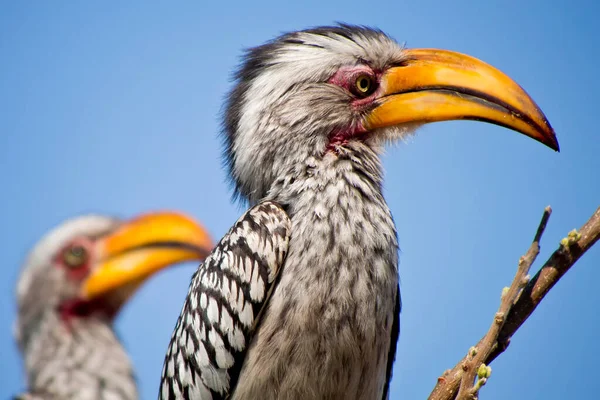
(75, 257)
(364, 85)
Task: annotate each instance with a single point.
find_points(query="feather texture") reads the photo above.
(224, 303)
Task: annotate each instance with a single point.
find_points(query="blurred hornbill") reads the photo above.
(300, 299)
(74, 282)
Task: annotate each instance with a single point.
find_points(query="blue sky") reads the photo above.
(114, 108)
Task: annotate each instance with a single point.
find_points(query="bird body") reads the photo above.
(332, 311)
(314, 309)
(333, 319)
(73, 284)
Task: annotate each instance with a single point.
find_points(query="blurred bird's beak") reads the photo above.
(439, 85)
(139, 248)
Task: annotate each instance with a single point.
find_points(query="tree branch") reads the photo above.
(517, 304)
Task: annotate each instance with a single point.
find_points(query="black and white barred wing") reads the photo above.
(225, 298)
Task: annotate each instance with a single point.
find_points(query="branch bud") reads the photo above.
(484, 372)
(472, 351)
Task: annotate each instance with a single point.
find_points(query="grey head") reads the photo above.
(309, 93)
(69, 348)
(73, 284)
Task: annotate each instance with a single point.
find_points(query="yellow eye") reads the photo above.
(75, 257)
(363, 84)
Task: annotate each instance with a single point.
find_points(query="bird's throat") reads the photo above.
(341, 136)
(80, 308)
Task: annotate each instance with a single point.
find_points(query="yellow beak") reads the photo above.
(440, 85)
(141, 247)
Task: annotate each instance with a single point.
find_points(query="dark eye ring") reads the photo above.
(75, 256)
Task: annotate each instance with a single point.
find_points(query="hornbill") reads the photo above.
(74, 282)
(300, 299)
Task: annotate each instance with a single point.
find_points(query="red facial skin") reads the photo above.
(79, 272)
(77, 307)
(345, 78)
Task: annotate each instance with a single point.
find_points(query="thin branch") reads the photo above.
(498, 337)
(478, 355)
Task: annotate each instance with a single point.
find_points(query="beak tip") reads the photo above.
(551, 140)
(553, 144)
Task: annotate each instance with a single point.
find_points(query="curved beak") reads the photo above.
(439, 85)
(141, 247)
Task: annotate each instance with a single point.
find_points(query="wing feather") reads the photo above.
(225, 299)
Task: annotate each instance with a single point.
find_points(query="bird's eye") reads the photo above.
(75, 257)
(364, 85)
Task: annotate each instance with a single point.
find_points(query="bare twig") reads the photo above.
(517, 307)
(477, 355)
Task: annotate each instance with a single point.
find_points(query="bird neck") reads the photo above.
(339, 198)
(76, 358)
(353, 168)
